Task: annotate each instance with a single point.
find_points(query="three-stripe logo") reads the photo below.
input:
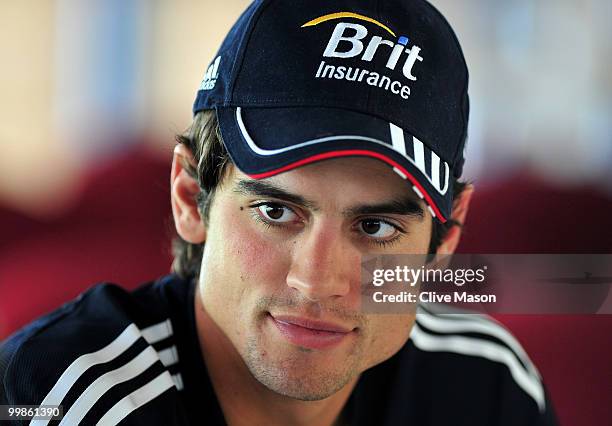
(138, 365)
(415, 151)
(212, 73)
(480, 336)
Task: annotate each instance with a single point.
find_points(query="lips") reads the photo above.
(309, 333)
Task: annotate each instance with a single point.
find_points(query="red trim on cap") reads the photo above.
(346, 153)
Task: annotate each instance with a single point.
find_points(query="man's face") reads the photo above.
(281, 270)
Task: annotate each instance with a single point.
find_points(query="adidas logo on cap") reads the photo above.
(210, 78)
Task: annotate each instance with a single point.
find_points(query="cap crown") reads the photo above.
(397, 60)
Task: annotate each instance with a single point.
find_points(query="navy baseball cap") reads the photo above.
(296, 82)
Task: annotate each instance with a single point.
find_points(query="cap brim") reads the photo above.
(263, 142)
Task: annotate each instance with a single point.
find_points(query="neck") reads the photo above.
(243, 399)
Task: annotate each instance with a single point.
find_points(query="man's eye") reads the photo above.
(377, 228)
(276, 213)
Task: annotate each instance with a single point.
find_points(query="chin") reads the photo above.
(299, 376)
(311, 388)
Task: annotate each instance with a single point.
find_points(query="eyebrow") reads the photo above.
(402, 206)
(405, 206)
(266, 189)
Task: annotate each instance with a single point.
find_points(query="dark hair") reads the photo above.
(210, 161)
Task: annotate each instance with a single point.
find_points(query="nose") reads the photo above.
(324, 264)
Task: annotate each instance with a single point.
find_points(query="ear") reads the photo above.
(459, 213)
(184, 193)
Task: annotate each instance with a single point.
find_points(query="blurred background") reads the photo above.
(93, 92)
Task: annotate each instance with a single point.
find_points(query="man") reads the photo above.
(323, 132)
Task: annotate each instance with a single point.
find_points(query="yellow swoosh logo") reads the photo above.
(339, 15)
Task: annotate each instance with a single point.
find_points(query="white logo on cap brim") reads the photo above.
(398, 145)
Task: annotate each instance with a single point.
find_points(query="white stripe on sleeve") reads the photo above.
(485, 349)
(104, 383)
(115, 348)
(443, 324)
(157, 332)
(178, 381)
(168, 356)
(137, 399)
